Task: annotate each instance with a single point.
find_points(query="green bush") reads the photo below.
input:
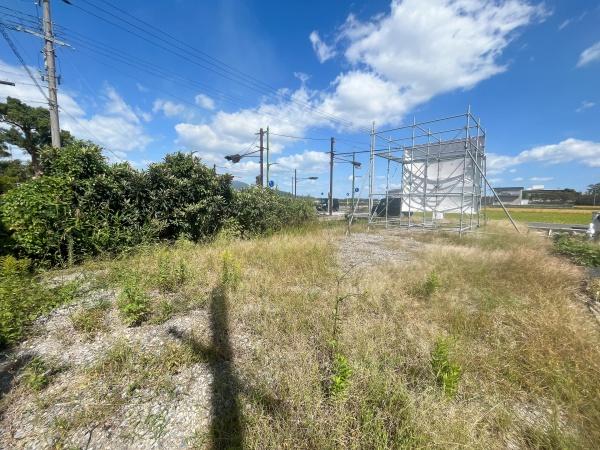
(83, 206)
(190, 199)
(259, 211)
(23, 299)
(39, 215)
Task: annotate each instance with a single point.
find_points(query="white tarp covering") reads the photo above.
(438, 177)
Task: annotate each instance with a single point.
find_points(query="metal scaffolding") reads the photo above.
(435, 175)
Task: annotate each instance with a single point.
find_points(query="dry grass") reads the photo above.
(525, 352)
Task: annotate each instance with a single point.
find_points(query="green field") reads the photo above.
(571, 216)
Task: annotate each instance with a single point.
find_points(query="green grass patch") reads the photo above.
(578, 249)
(542, 215)
(91, 320)
(23, 298)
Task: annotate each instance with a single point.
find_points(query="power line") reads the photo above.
(301, 138)
(186, 56)
(14, 49)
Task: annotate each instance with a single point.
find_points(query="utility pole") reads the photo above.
(260, 177)
(51, 74)
(353, 167)
(330, 200)
(295, 183)
(268, 165)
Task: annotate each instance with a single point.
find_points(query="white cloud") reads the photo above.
(309, 162)
(567, 151)
(234, 132)
(572, 20)
(585, 105)
(205, 101)
(425, 48)
(170, 109)
(399, 60)
(323, 51)
(541, 179)
(518, 179)
(115, 125)
(589, 55)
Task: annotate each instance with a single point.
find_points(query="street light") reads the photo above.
(296, 181)
(355, 165)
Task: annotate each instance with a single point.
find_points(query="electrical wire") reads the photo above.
(186, 56)
(301, 138)
(14, 49)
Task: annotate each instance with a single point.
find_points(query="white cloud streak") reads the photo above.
(589, 55)
(323, 51)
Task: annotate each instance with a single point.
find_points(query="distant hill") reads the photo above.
(239, 185)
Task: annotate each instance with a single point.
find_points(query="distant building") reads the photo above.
(551, 196)
(509, 195)
(522, 196)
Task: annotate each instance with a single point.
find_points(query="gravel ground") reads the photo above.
(369, 249)
(148, 420)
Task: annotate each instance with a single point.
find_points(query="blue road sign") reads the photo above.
(271, 183)
(355, 189)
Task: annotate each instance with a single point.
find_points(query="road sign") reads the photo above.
(271, 183)
(355, 189)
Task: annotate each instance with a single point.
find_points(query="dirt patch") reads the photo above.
(370, 249)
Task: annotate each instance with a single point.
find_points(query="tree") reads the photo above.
(594, 190)
(12, 173)
(29, 130)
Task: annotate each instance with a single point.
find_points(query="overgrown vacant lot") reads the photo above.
(313, 339)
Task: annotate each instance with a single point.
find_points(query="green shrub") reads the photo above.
(259, 211)
(133, 303)
(340, 378)
(83, 206)
(428, 287)
(579, 250)
(23, 299)
(190, 199)
(447, 373)
(39, 215)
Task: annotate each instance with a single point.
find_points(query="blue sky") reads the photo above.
(529, 69)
